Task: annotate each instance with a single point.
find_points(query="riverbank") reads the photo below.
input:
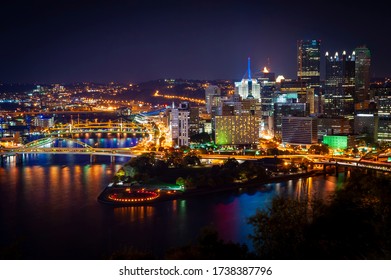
(122, 196)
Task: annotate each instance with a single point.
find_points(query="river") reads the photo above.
(49, 210)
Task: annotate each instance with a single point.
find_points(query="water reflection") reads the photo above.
(134, 213)
(50, 202)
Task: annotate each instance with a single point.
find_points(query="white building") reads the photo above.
(242, 88)
(179, 124)
(44, 121)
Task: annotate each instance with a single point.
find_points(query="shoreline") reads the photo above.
(103, 196)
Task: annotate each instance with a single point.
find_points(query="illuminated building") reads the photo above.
(366, 123)
(308, 62)
(248, 88)
(299, 130)
(237, 130)
(267, 80)
(362, 76)
(333, 125)
(339, 84)
(178, 119)
(267, 75)
(338, 141)
(381, 93)
(44, 121)
(194, 121)
(206, 123)
(286, 104)
(211, 92)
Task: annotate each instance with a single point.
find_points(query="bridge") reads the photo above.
(323, 161)
(118, 126)
(354, 163)
(39, 147)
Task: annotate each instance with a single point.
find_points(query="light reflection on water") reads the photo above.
(49, 204)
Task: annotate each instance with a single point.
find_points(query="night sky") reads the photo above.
(135, 41)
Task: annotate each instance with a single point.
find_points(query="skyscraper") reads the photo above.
(362, 75)
(308, 62)
(339, 84)
(299, 130)
(211, 92)
(178, 123)
(248, 88)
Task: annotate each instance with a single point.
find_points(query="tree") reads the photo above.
(319, 149)
(355, 224)
(180, 181)
(201, 138)
(231, 164)
(191, 159)
(209, 246)
(279, 232)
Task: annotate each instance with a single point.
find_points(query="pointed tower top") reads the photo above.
(249, 69)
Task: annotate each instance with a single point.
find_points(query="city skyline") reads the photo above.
(131, 41)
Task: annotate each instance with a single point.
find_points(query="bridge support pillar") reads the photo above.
(92, 158)
(112, 158)
(336, 169)
(19, 158)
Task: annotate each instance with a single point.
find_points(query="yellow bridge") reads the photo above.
(118, 126)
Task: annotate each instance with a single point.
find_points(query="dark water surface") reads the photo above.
(49, 207)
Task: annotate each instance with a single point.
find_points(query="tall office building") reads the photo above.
(212, 93)
(308, 62)
(381, 93)
(237, 130)
(287, 104)
(248, 88)
(178, 120)
(362, 75)
(339, 84)
(366, 123)
(299, 130)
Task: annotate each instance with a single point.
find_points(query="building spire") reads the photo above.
(250, 81)
(248, 69)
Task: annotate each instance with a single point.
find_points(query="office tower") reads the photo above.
(288, 86)
(267, 93)
(194, 121)
(237, 130)
(44, 121)
(178, 119)
(267, 75)
(287, 104)
(362, 76)
(211, 92)
(308, 62)
(334, 125)
(248, 88)
(366, 123)
(299, 130)
(381, 93)
(339, 85)
(338, 142)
